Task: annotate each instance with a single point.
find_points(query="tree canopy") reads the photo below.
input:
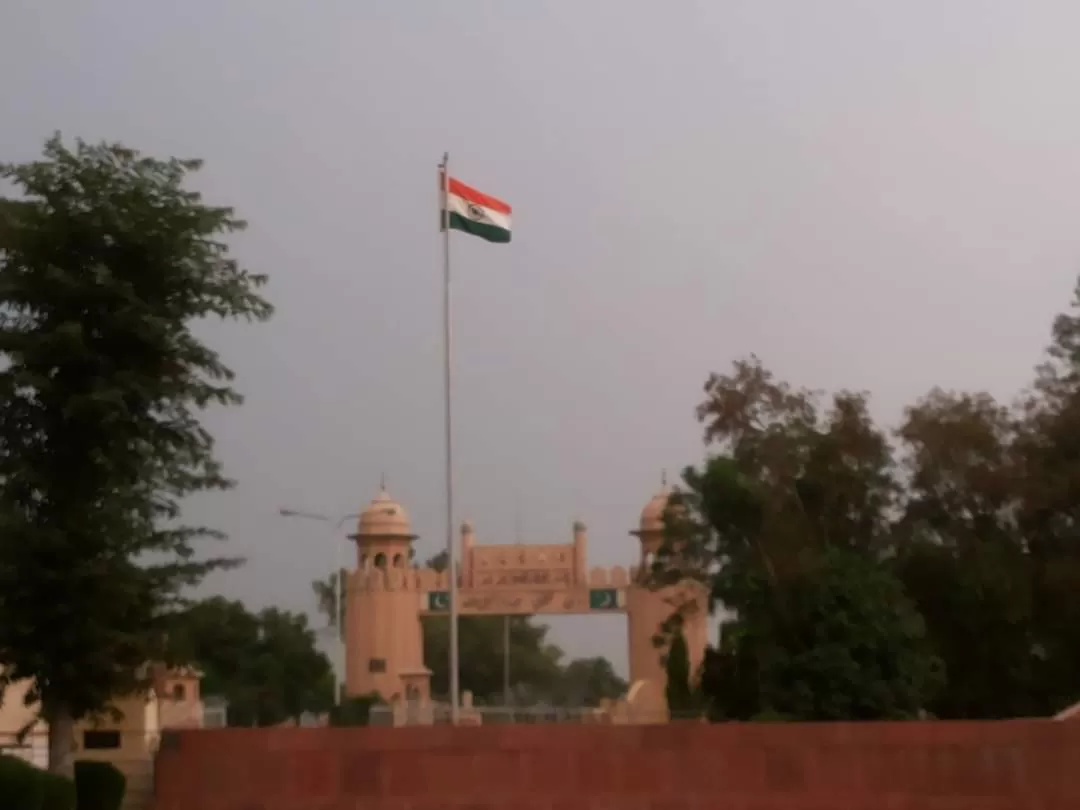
(679, 691)
(876, 573)
(265, 665)
(586, 682)
(108, 259)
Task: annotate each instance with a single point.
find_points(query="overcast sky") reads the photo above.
(871, 195)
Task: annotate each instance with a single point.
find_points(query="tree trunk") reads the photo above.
(61, 740)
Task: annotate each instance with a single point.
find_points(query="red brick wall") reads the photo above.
(1018, 765)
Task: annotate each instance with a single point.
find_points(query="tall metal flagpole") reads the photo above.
(451, 550)
(506, 623)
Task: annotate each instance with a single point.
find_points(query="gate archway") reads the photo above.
(384, 604)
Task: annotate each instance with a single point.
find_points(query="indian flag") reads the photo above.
(474, 212)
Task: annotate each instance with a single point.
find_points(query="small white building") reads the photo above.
(127, 737)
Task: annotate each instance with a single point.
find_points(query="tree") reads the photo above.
(828, 634)
(987, 544)
(326, 598)
(1049, 511)
(266, 664)
(790, 520)
(354, 711)
(10, 211)
(586, 682)
(787, 480)
(107, 263)
(829, 473)
(679, 693)
(534, 663)
(961, 555)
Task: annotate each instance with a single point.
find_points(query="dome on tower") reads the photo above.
(652, 516)
(384, 517)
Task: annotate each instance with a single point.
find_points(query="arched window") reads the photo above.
(648, 559)
(380, 560)
(399, 561)
(178, 692)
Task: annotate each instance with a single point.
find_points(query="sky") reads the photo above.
(874, 196)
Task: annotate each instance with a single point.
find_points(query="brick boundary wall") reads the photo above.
(1011, 765)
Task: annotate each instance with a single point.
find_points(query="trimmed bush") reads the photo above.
(98, 785)
(21, 785)
(59, 792)
(354, 711)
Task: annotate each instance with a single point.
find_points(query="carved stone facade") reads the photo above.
(386, 597)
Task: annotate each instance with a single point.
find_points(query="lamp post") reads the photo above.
(339, 585)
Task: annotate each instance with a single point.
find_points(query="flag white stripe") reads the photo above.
(458, 205)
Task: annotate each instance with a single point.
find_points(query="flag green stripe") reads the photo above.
(482, 229)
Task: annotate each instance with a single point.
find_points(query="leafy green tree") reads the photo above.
(790, 520)
(107, 263)
(680, 696)
(1049, 512)
(354, 711)
(962, 556)
(827, 473)
(326, 598)
(969, 522)
(987, 544)
(587, 681)
(787, 480)
(827, 635)
(534, 663)
(9, 216)
(857, 647)
(266, 664)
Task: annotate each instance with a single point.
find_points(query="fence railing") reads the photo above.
(32, 747)
(416, 713)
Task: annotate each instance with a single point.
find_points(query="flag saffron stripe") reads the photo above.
(478, 197)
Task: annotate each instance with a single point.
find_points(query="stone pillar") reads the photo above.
(645, 614)
(581, 554)
(465, 561)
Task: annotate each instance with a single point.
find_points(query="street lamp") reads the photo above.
(339, 585)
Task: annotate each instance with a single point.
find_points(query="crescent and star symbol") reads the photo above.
(603, 599)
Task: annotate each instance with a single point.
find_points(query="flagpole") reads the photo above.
(451, 550)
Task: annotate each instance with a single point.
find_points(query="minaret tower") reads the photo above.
(383, 637)
(647, 609)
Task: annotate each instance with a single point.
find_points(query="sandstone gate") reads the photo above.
(386, 597)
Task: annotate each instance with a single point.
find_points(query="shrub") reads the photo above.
(770, 716)
(681, 701)
(98, 785)
(354, 711)
(58, 792)
(21, 785)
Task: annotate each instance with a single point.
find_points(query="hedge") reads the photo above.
(59, 792)
(98, 785)
(24, 787)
